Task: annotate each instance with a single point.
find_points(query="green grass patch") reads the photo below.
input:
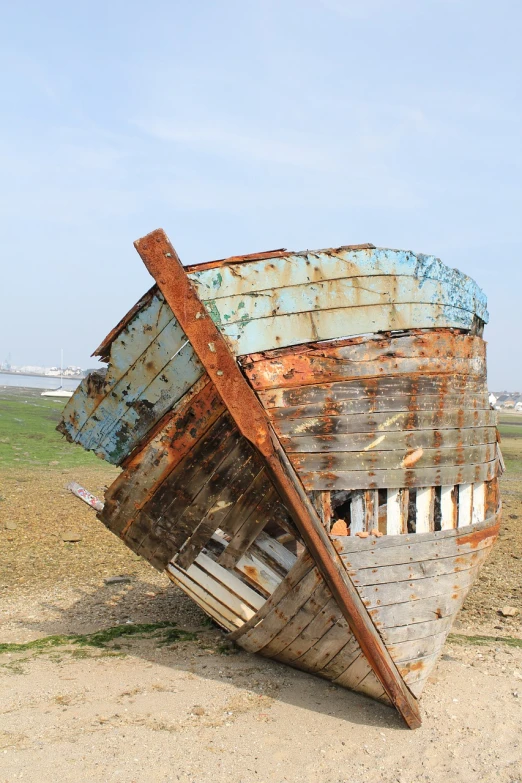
(460, 638)
(164, 632)
(28, 436)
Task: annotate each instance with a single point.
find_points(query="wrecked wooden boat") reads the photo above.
(307, 448)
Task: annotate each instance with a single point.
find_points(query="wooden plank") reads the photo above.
(448, 507)
(424, 510)
(479, 502)
(277, 555)
(411, 650)
(230, 581)
(435, 354)
(321, 623)
(385, 422)
(405, 440)
(145, 472)
(222, 507)
(391, 460)
(279, 616)
(355, 673)
(340, 662)
(159, 378)
(301, 568)
(465, 502)
(361, 391)
(354, 292)
(267, 510)
(406, 633)
(382, 479)
(397, 511)
(277, 646)
(408, 613)
(371, 509)
(293, 269)
(206, 599)
(414, 547)
(414, 671)
(258, 573)
(282, 330)
(372, 404)
(325, 649)
(238, 461)
(405, 572)
(163, 263)
(357, 515)
(376, 596)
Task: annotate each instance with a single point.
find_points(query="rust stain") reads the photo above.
(479, 535)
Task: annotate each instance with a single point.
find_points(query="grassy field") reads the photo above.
(510, 428)
(28, 436)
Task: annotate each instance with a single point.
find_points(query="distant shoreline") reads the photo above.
(40, 375)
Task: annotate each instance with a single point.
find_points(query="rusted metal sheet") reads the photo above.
(163, 263)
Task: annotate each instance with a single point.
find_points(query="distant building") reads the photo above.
(492, 400)
(518, 406)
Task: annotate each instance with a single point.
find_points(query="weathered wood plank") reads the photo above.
(279, 616)
(411, 612)
(402, 440)
(321, 623)
(340, 662)
(352, 292)
(406, 572)
(211, 507)
(415, 671)
(466, 501)
(355, 673)
(357, 515)
(157, 380)
(410, 633)
(364, 391)
(479, 502)
(371, 509)
(268, 509)
(413, 550)
(386, 422)
(283, 330)
(276, 647)
(397, 511)
(232, 583)
(277, 555)
(302, 566)
(258, 573)
(443, 354)
(448, 507)
(395, 593)
(375, 459)
(293, 269)
(205, 600)
(414, 649)
(146, 471)
(337, 480)
(424, 510)
(325, 649)
(368, 405)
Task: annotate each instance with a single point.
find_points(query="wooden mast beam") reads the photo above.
(164, 265)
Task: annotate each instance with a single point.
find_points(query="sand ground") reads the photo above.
(156, 705)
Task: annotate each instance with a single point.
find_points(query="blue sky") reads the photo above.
(245, 126)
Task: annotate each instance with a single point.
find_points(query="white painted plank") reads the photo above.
(465, 504)
(425, 509)
(479, 502)
(448, 507)
(357, 516)
(397, 512)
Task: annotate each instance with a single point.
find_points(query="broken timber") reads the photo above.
(260, 406)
